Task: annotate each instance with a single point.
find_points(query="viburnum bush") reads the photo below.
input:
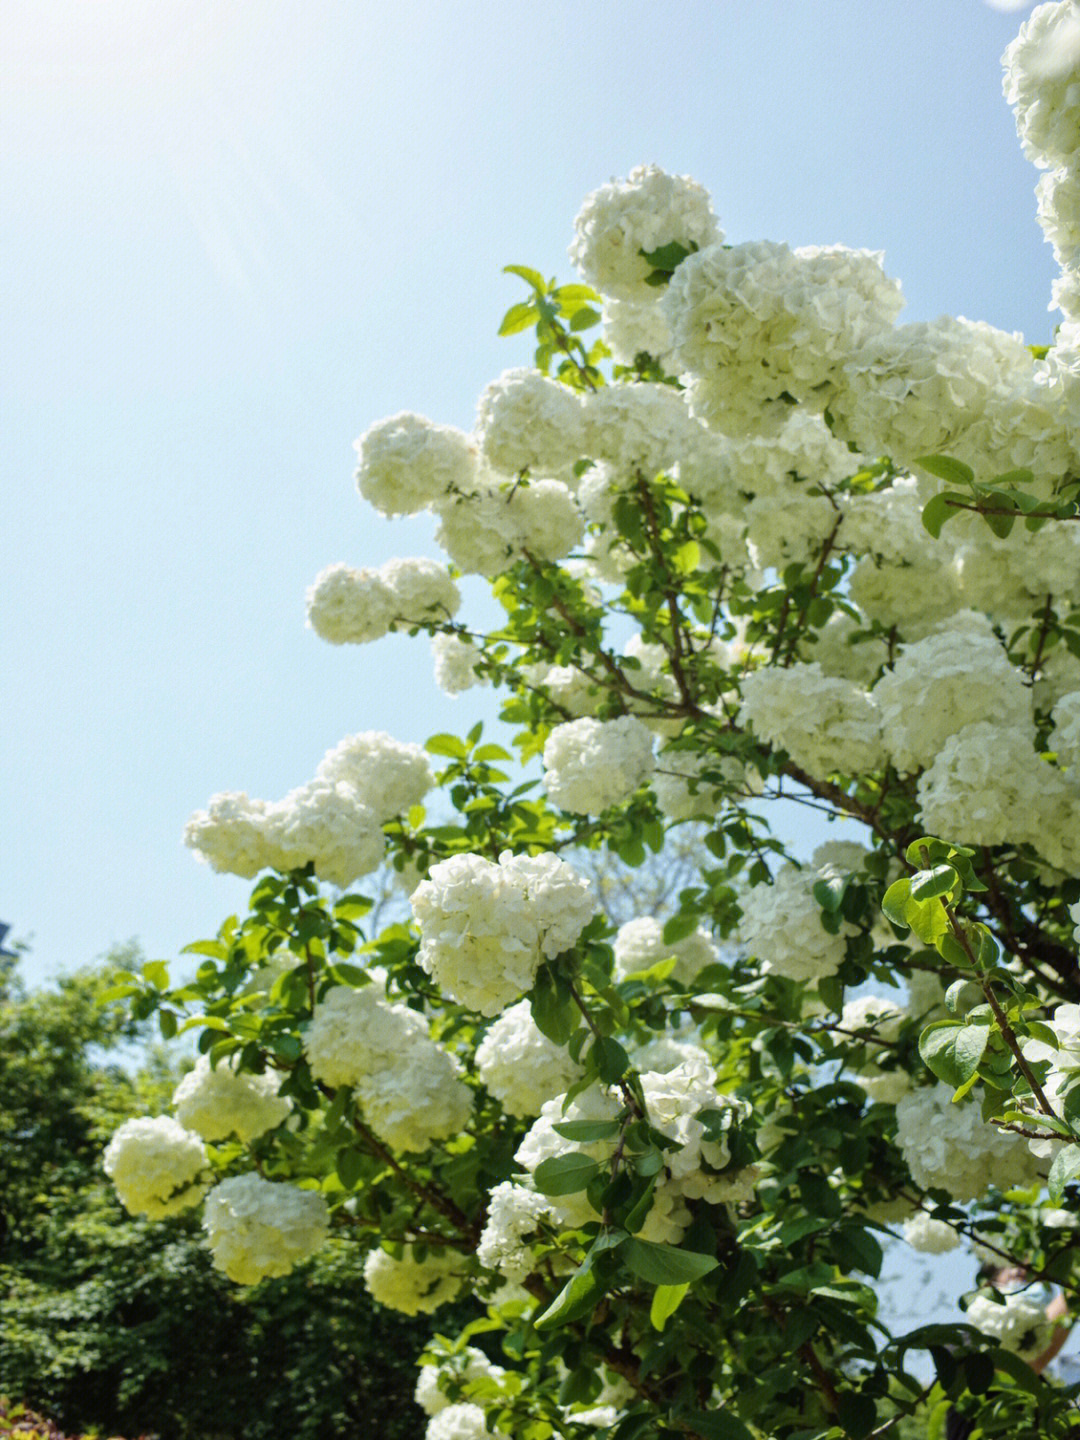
(758, 541)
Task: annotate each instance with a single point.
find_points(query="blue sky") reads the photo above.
(236, 235)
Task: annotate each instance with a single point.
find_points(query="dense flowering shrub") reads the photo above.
(662, 1157)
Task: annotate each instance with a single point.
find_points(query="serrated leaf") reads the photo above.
(666, 1300)
(664, 1264)
(565, 1174)
(953, 472)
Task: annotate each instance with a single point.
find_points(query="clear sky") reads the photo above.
(235, 235)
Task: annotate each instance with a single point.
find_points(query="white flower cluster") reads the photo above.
(411, 1285)
(256, 1228)
(520, 1065)
(932, 1237)
(468, 1364)
(391, 775)
(333, 821)
(950, 1147)
(514, 1214)
(863, 1021)
(759, 325)
(953, 678)
(217, 1101)
(500, 521)
(673, 1099)
(155, 1166)
(646, 211)
(1065, 736)
(989, 785)
(1042, 83)
(463, 1421)
(951, 385)
(781, 926)
(406, 463)
(527, 422)
(485, 928)
(823, 722)
(633, 328)
(352, 607)
(456, 662)
(591, 765)
(640, 944)
(639, 429)
(1064, 1061)
(1016, 1322)
(409, 1087)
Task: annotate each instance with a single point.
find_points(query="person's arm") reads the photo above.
(1057, 1310)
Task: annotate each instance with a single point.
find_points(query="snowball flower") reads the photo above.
(406, 463)
(520, 1066)
(463, 1421)
(781, 926)
(410, 1088)
(469, 1364)
(646, 211)
(938, 685)
(758, 326)
(825, 723)
(950, 1147)
(325, 824)
(413, 1286)
(639, 429)
(527, 422)
(640, 944)
(390, 776)
(1042, 83)
(257, 1228)
(154, 1165)
(930, 1236)
(352, 607)
(456, 662)
(217, 1102)
(485, 928)
(591, 764)
(497, 523)
(349, 607)
(1019, 1324)
(514, 1213)
(230, 835)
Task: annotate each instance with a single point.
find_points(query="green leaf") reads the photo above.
(1066, 1167)
(586, 1130)
(829, 894)
(895, 902)
(532, 277)
(519, 317)
(350, 1167)
(157, 972)
(1001, 525)
(213, 948)
(679, 927)
(929, 884)
(953, 472)
(927, 918)
(448, 745)
(553, 1010)
(666, 1300)
(565, 1174)
(716, 1425)
(670, 256)
(612, 1061)
(937, 511)
(952, 1051)
(579, 1297)
(664, 1264)
(584, 318)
